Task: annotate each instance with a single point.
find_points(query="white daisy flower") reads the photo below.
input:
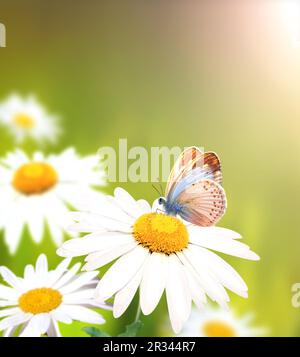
(156, 252)
(216, 322)
(33, 305)
(25, 117)
(41, 189)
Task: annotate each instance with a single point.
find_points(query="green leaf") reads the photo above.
(132, 329)
(95, 332)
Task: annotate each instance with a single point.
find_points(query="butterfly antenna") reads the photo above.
(161, 189)
(156, 189)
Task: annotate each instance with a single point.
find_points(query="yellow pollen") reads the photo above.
(41, 300)
(160, 233)
(24, 121)
(218, 328)
(34, 177)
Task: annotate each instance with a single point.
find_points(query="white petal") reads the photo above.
(53, 330)
(197, 294)
(124, 296)
(104, 206)
(8, 293)
(14, 320)
(11, 278)
(226, 275)
(9, 332)
(127, 203)
(56, 233)
(60, 315)
(9, 311)
(214, 232)
(153, 282)
(29, 272)
(178, 294)
(80, 280)
(54, 275)
(99, 259)
(5, 303)
(14, 228)
(35, 220)
(67, 276)
(215, 238)
(144, 206)
(83, 314)
(41, 266)
(96, 222)
(37, 326)
(73, 298)
(209, 283)
(121, 273)
(92, 243)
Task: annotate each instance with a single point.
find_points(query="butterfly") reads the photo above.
(194, 190)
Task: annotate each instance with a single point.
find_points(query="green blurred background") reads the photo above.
(224, 75)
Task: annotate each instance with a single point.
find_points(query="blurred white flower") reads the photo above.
(217, 322)
(156, 252)
(42, 298)
(25, 117)
(42, 189)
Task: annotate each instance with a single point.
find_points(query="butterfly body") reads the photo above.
(194, 190)
(171, 208)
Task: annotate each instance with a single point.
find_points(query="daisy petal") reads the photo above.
(37, 326)
(14, 320)
(127, 203)
(83, 314)
(207, 282)
(59, 314)
(67, 276)
(10, 278)
(53, 330)
(153, 282)
(92, 243)
(197, 294)
(9, 312)
(8, 293)
(178, 294)
(124, 296)
(80, 280)
(41, 264)
(99, 259)
(121, 273)
(215, 240)
(222, 271)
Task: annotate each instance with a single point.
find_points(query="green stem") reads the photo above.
(138, 313)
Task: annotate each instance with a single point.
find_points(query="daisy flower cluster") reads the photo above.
(151, 252)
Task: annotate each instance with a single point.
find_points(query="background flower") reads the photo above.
(34, 304)
(39, 189)
(217, 322)
(25, 117)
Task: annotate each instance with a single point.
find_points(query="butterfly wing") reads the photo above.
(203, 203)
(192, 166)
(184, 163)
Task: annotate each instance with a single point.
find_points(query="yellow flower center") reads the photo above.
(160, 233)
(34, 177)
(24, 121)
(218, 328)
(41, 300)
